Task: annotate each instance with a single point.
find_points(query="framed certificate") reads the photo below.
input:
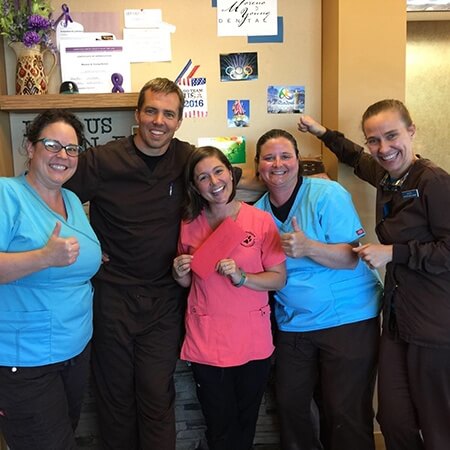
(95, 66)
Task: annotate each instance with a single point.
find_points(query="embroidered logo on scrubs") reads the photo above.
(360, 231)
(249, 240)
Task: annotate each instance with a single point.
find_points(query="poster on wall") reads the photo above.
(195, 98)
(238, 113)
(285, 99)
(238, 66)
(247, 18)
(233, 147)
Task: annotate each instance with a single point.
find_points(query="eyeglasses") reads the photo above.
(54, 146)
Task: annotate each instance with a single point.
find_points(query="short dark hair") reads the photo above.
(164, 86)
(194, 202)
(34, 128)
(386, 105)
(273, 134)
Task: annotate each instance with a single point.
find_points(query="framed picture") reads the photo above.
(285, 99)
(239, 66)
(233, 147)
(427, 5)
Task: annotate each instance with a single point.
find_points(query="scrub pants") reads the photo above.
(40, 406)
(136, 345)
(414, 396)
(230, 398)
(340, 363)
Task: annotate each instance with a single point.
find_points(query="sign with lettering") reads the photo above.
(99, 128)
(246, 17)
(195, 99)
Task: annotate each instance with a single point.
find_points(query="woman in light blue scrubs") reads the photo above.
(327, 314)
(48, 254)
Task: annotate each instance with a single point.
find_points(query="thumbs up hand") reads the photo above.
(295, 244)
(60, 251)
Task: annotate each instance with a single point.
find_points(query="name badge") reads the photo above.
(412, 193)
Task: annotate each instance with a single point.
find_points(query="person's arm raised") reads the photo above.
(306, 124)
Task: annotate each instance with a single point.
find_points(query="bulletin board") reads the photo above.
(291, 58)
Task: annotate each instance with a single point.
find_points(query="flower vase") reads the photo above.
(31, 76)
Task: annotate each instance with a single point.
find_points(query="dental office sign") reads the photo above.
(247, 17)
(99, 128)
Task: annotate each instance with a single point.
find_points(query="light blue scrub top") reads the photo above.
(45, 317)
(317, 297)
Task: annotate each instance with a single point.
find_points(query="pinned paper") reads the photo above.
(270, 38)
(238, 66)
(223, 240)
(285, 99)
(142, 18)
(68, 30)
(148, 44)
(238, 113)
(194, 91)
(246, 18)
(147, 37)
(195, 97)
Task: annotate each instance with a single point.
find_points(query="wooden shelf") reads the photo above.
(76, 102)
(427, 15)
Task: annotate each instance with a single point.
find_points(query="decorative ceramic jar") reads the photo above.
(31, 76)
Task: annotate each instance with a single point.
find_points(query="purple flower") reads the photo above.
(37, 22)
(27, 21)
(31, 38)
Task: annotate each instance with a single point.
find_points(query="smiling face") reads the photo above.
(213, 181)
(278, 165)
(389, 141)
(158, 120)
(51, 170)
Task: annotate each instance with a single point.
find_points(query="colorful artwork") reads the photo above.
(238, 113)
(285, 99)
(194, 90)
(239, 66)
(233, 147)
(195, 97)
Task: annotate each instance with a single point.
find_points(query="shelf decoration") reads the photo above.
(27, 25)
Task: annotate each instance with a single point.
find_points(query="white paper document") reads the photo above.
(96, 66)
(148, 44)
(142, 18)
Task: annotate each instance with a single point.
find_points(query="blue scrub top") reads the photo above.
(45, 317)
(317, 297)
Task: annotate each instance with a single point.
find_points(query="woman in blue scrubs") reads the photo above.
(48, 254)
(327, 314)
